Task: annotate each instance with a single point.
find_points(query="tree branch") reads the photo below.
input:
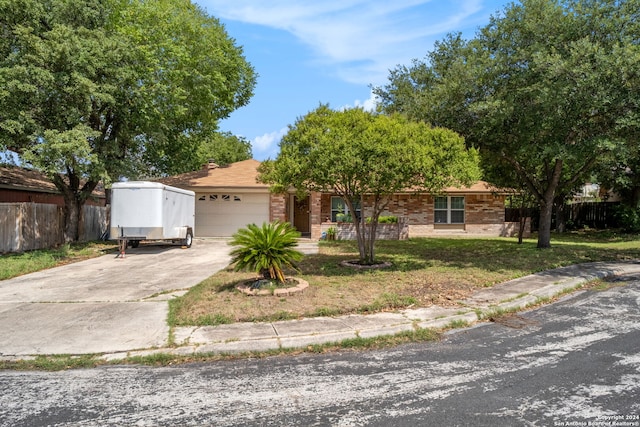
(523, 174)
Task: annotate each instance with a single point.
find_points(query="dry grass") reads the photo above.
(425, 272)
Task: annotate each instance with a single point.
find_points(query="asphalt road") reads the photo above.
(575, 362)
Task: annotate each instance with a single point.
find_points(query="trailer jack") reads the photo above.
(122, 247)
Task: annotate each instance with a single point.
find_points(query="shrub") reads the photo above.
(390, 219)
(267, 249)
(628, 218)
(344, 218)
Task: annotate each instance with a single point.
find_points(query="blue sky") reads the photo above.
(330, 51)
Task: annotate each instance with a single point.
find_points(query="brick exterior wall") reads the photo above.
(315, 207)
(278, 210)
(483, 209)
(484, 215)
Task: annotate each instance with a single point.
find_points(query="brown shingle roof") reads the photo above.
(244, 175)
(236, 175)
(478, 187)
(18, 178)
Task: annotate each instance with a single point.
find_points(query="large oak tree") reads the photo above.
(92, 90)
(366, 158)
(546, 91)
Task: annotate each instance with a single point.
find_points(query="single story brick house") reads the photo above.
(229, 198)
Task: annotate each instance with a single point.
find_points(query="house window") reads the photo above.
(203, 197)
(449, 210)
(213, 197)
(237, 199)
(226, 197)
(338, 206)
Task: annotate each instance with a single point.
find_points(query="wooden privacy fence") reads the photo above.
(598, 215)
(591, 214)
(28, 226)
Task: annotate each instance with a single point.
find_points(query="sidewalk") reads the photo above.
(513, 295)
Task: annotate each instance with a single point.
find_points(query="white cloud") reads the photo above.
(360, 39)
(369, 104)
(267, 144)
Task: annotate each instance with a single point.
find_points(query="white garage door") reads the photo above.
(221, 214)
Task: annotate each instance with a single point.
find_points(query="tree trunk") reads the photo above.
(373, 226)
(544, 228)
(522, 223)
(72, 218)
(377, 208)
(74, 199)
(545, 201)
(360, 230)
(561, 219)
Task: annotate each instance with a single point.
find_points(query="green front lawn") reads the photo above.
(425, 272)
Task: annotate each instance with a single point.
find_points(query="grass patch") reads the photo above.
(603, 285)
(53, 363)
(457, 324)
(496, 313)
(388, 301)
(374, 343)
(13, 265)
(424, 272)
(326, 312)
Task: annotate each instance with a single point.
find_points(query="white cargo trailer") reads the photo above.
(142, 210)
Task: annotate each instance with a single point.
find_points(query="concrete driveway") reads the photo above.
(105, 304)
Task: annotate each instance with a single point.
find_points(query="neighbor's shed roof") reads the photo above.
(23, 179)
(18, 178)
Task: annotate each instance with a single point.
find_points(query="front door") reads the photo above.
(301, 215)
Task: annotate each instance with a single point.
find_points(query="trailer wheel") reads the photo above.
(189, 239)
(135, 243)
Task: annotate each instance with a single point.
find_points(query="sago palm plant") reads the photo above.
(267, 249)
